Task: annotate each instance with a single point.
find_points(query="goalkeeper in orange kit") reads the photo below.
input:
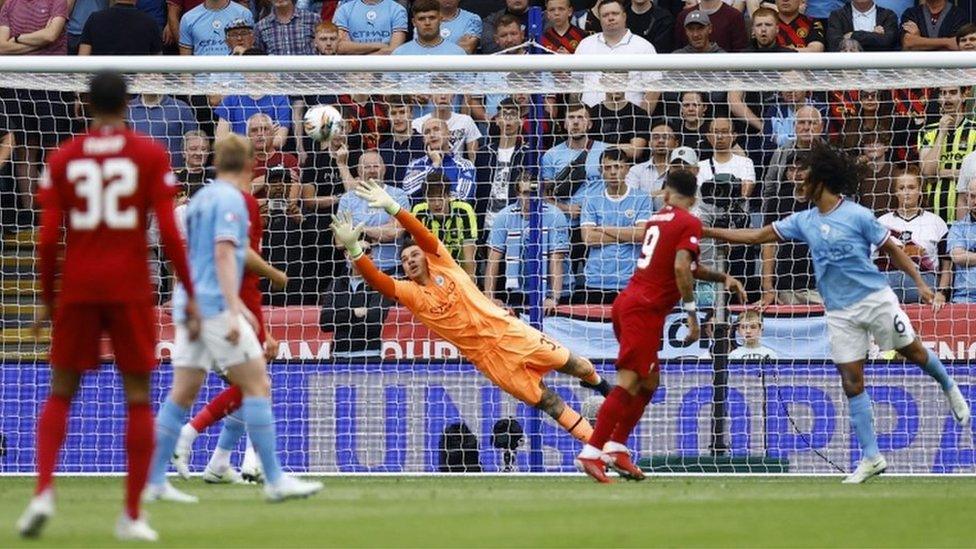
(512, 354)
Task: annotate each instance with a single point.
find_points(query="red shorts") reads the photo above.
(76, 336)
(638, 327)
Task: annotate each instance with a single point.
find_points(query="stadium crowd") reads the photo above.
(463, 163)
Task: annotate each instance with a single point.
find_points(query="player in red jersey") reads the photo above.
(100, 187)
(229, 400)
(665, 271)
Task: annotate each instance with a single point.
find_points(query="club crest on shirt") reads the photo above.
(445, 32)
(694, 240)
(439, 280)
(216, 24)
(371, 16)
(630, 214)
(824, 230)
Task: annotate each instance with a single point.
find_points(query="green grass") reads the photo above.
(527, 512)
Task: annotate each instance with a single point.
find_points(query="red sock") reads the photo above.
(227, 401)
(614, 409)
(51, 427)
(633, 415)
(139, 442)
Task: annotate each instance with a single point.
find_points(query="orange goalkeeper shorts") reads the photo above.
(519, 359)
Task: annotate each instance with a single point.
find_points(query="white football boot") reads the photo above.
(958, 405)
(39, 510)
(166, 492)
(867, 468)
(289, 487)
(127, 529)
(227, 476)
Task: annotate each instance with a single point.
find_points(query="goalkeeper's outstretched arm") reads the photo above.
(349, 235)
(377, 197)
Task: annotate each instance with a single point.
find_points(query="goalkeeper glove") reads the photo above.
(347, 233)
(376, 196)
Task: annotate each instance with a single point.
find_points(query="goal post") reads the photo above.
(539, 164)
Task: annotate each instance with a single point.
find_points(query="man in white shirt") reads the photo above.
(615, 39)
(724, 160)
(464, 133)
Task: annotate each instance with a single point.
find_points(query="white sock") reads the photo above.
(251, 461)
(590, 452)
(187, 435)
(220, 460)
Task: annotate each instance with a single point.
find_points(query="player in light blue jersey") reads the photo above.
(217, 238)
(858, 300)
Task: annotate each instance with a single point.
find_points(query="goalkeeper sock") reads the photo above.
(51, 428)
(934, 367)
(635, 411)
(230, 435)
(139, 451)
(169, 421)
(226, 402)
(261, 430)
(612, 412)
(575, 424)
(862, 419)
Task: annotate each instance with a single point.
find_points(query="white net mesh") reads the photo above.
(361, 386)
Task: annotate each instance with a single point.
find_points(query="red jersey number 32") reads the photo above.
(101, 185)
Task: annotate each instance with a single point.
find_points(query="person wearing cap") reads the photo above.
(698, 29)
(728, 27)
(239, 35)
(287, 30)
(202, 28)
(121, 29)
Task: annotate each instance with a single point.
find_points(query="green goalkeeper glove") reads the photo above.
(376, 196)
(348, 234)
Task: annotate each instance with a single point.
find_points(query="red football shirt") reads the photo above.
(100, 187)
(667, 231)
(250, 289)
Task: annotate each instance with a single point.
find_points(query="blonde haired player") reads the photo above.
(750, 329)
(513, 355)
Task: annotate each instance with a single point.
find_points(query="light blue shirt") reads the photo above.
(609, 267)
(237, 109)
(897, 6)
(385, 254)
(464, 24)
(840, 244)
(203, 30)
(962, 234)
(217, 213)
(416, 48)
(166, 123)
(820, 9)
(371, 22)
(81, 12)
(560, 156)
(508, 235)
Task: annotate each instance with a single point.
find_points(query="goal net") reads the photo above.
(527, 168)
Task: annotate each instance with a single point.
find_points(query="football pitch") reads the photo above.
(453, 511)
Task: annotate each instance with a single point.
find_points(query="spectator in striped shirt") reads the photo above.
(452, 221)
(561, 36)
(287, 31)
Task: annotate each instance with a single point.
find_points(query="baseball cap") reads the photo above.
(686, 155)
(697, 17)
(238, 24)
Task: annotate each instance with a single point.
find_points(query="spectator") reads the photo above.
(648, 20)
(516, 8)
(197, 170)
(861, 113)
(375, 27)
(932, 25)
(589, 19)
(561, 35)
(287, 31)
(694, 114)
(235, 112)
(355, 314)
(621, 124)
(429, 39)
(239, 36)
(402, 144)
(506, 242)
(798, 31)
(267, 154)
(572, 166)
(787, 276)
(202, 28)
(612, 224)
(923, 237)
(457, 169)
(174, 12)
(961, 244)
(464, 134)
(366, 118)
(698, 31)
(728, 26)
(942, 146)
(80, 13)
(156, 10)
(966, 37)
(765, 31)
(34, 27)
(382, 230)
(615, 38)
(501, 161)
(452, 221)
(482, 8)
(750, 329)
(780, 117)
(874, 27)
(326, 38)
(820, 10)
(459, 26)
(508, 35)
(649, 176)
(165, 119)
(724, 160)
(875, 191)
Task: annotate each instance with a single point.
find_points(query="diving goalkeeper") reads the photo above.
(512, 354)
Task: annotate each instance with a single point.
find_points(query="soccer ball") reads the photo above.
(322, 123)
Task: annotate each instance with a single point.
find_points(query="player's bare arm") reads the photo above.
(742, 236)
(686, 285)
(256, 264)
(730, 282)
(905, 264)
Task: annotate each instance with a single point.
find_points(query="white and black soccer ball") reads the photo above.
(323, 122)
